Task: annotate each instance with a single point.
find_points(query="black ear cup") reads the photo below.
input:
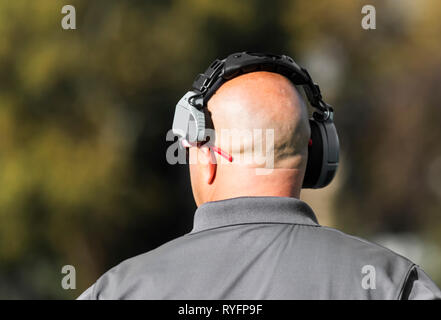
(323, 154)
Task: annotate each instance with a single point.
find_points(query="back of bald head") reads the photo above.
(261, 101)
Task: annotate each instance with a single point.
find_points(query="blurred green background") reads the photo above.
(84, 113)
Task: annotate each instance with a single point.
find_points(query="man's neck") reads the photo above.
(242, 182)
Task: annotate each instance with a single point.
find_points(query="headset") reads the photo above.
(323, 148)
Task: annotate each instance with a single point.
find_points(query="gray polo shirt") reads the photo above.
(264, 248)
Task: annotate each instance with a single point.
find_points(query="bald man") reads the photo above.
(252, 236)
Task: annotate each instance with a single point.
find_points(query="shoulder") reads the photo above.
(137, 275)
(359, 247)
(371, 265)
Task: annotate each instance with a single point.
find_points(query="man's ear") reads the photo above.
(208, 163)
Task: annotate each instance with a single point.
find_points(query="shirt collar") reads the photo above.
(252, 210)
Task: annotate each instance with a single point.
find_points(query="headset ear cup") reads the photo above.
(315, 156)
(323, 155)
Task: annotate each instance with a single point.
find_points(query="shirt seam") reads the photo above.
(248, 223)
(404, 281)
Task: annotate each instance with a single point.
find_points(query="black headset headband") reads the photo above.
(240, 63)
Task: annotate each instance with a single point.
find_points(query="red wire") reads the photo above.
(222, 153)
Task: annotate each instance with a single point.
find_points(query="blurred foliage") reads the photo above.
(84, 113)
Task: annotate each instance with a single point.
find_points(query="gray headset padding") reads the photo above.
(189, 122)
